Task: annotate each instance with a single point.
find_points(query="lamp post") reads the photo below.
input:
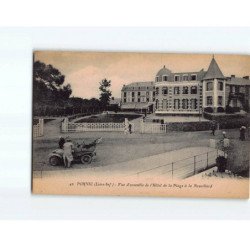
(199, 103)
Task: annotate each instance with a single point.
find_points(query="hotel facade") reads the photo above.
(187, 93)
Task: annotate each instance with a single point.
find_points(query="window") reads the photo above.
(157, 79)
(220, 86)
(220, 100)
(147, 93)
(125, 94)
(164, 90)
(209, 100)
(133, 99)
(147, 99)
(176, 78)
(194, 90)
(176, 104)
(193, 77)
(165, 104)
(133, 94)
(153, 93)
(209, 86)
(237, 89)
(139, 93)
(165, 78)
(185, 90)
(157, 91)
(124, 100)
(157, 104)
(185, 104)
(139, 99)
(185, 77)
(176, 90)
(193, 103)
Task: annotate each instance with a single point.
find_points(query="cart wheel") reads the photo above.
(86, 159)
(54, 161)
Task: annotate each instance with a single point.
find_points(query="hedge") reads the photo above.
(189, 126)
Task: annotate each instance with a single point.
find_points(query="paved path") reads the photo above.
(151, 166)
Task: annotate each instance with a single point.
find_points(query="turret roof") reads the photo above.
(213, 71)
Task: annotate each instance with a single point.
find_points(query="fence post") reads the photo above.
(126, 126)
(172, 170)
(65, 124)
(141, 126)
(207, 159)
(194, 165)
(41, 126)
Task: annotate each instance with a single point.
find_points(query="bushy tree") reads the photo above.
(105, 94)
(48, 84)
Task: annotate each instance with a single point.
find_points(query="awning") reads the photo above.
(136, 105)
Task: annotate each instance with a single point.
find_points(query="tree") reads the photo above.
(105, 94)
(48, 84)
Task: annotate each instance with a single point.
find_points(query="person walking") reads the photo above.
(242, 133)
(67, 153)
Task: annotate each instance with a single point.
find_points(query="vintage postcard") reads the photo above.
(141, 124)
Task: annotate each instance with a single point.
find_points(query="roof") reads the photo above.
(115, 101)
(238, 81)
(213, 71)
(163, 71)
(138, 84)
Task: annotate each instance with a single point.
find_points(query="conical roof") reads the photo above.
(213, 71)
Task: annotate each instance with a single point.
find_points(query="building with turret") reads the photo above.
(187, 93)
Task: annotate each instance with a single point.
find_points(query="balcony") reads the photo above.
(236, 95)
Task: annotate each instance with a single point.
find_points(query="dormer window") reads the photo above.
(165, 78)
(176, 78)
(193, 77)
(157, 79)
(185, 77)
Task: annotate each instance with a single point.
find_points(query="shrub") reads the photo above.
(221, 163)
(209, 109)
(236, 109)
(220, 110)
(229, 110)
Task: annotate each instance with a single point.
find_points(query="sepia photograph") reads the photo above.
(142, 124)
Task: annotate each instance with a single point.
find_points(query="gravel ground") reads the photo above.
(117, 147)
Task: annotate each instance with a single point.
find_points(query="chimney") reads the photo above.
(246, 77)
(232, 76)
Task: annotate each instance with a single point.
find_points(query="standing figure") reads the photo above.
(213, 128)
(61, 142)
(130, 128)
(67, 153)
(242, 133)
(224, 135)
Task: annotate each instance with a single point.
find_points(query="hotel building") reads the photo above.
(187, 93)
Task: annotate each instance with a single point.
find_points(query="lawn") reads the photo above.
(105, 118)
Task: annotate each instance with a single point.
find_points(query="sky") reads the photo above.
(85, 70)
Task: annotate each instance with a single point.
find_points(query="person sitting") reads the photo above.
(61, 142)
